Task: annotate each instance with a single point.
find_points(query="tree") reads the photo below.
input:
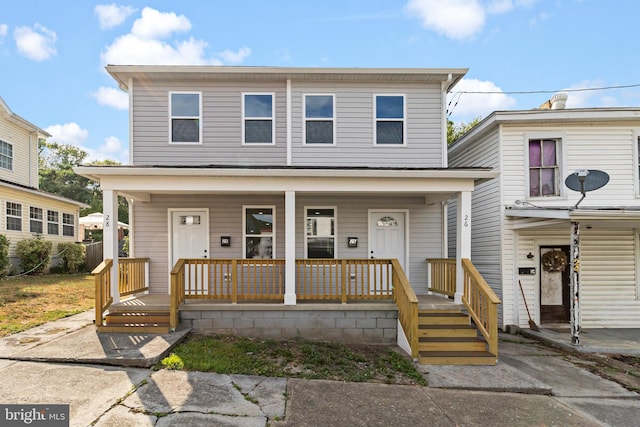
(456, 130)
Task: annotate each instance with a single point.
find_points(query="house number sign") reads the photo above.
(107, 221)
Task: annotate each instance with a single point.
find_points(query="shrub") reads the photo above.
(5, 263)
(34, 254)
(172, 362)
(72, 255)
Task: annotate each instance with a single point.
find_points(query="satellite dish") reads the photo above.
(584, 180)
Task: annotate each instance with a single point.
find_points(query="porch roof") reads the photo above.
(534, 217)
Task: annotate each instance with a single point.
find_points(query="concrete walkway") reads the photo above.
(106, 381)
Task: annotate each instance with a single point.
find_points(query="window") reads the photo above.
(186, 123)
(318, 119)
(543, 168)
(53, 222)
(321, 232)
(6, 155)
(35, 220)
(259, 232)
(389, 124)
(68, 224)
(257, 116)
(14, 216)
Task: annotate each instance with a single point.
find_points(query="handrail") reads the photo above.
(177, 293)
(132, 275)
(103, 298)
(482, 304)
(443, 276)
(407, 302)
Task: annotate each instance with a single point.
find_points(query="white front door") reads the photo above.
(387, 236)
(190, 239)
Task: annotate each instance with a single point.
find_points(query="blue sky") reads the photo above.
(53, 53)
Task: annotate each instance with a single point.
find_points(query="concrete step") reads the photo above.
(452, 344)
(456, 358)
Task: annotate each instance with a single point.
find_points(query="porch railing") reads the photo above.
(177, 293)
(407, 303)
(133, 275)
(443, 276)
(102, 278)
(482, 304)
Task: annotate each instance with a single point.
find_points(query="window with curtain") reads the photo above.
(543, 168)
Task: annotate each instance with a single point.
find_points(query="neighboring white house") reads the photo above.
(522, 220)
(95, 221)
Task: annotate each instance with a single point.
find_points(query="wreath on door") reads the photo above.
(553, 261)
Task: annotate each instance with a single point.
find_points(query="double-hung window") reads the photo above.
(6, 155)
(543, 168)
(68, 224)
(258, 121)
(35, 220)
(185, 109)
(389, 120)
(53, 223)
(321, 232)
(13, 216)
(319, 118)
(259, 231)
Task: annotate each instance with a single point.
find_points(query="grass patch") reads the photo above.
(30, 301)
(294, 359)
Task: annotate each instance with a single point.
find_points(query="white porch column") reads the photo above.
(290, 247)
(110, 237)
(463, 240)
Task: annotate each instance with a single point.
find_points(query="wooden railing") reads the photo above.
(133, 275)
(102, 277)
(482, 304)
(443, 276)
(407, 303)
(177, 293)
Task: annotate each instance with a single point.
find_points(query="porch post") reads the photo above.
(110, 237)
(290, 247)
(463, 240)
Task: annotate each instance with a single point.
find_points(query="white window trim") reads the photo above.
(335, 229)
(636, 162)
(73, 216)
(52, 222)
(10, 145)
(305, 119)
(404, 120)
(560, 138)
(272, 118)
(41, 220)
(199, 118)
(244, 229)
(6, 216)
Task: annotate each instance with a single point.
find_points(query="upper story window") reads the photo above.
(319, 118)
(258, 122)
(6, 155)
(321, 232)
(544, 168)
(68, 224)
(186, 121)
(35, 220)
(389, 120)
(13, 216)
(53, 222)
(259, 231)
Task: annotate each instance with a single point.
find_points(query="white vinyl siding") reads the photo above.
(185, 119)
(24, 154)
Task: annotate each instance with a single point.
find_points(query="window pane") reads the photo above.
(319, 132)
(14, 224)
(319, 106)
(549, 152)
(257, 131)
(320, 226)
(185, 130)
(185, 104)
(534, 153)
(320, 247)
(534, 182)
(389, 132)
(389, 107)
(259, 247)
(548, 182)
(259, 221)
(35, 226)
(257, 106)
(52, 229)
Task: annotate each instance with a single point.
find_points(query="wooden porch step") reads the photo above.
(437, 318)
(447, 331)
(472, 344)
(457, 358)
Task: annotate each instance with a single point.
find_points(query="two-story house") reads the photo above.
(27, 211)
(523, 220)
(309, 188)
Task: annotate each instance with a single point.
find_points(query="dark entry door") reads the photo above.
(554, 284)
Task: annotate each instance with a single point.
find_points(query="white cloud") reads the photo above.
(112, 97)
(456, 19)
(4, 28)
(231, 57)
(155, 24)
(499, 6)
(112, 149)
(472, 105)
(112, 15)
(68, 133)
(37, 43)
